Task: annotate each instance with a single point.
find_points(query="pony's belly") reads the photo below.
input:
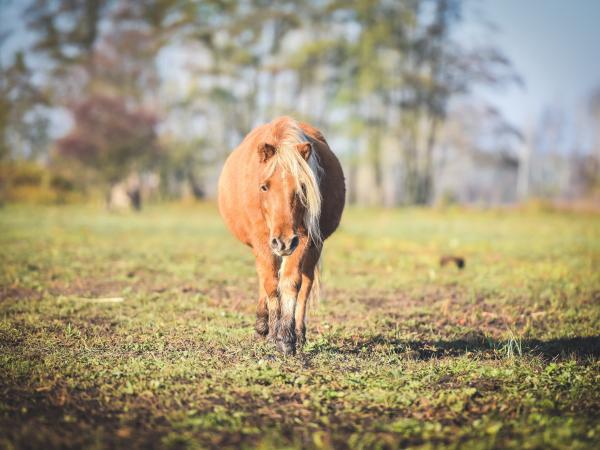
(229, 204)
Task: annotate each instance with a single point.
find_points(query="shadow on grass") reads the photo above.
(579, 347)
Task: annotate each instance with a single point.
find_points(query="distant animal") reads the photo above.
(459, 261)
(282, 193)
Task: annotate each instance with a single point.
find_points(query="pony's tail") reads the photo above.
(315, 292)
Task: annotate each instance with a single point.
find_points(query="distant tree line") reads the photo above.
(378, 76)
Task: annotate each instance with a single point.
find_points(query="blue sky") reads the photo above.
(554, 45)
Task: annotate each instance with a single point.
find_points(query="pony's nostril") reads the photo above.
(281, 245)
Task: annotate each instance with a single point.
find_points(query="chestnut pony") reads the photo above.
(282, 193)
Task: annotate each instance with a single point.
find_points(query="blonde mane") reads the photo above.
(306, 174)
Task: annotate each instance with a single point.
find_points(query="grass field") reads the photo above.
(400, 353)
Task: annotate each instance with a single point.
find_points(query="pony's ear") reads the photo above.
(305, 150)
(266, 152)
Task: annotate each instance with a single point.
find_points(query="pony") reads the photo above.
(282, 193)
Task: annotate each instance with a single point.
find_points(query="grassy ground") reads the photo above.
(401, 352)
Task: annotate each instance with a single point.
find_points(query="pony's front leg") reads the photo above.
(309, 268)
(290, 279)
(267, 309)
(262, 315)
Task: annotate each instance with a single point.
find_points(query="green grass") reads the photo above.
(401, 352)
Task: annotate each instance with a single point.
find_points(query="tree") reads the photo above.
(103, 52)
(394, 68)
(438, 69)
(23, 127)
(378, 74)
(111, 138)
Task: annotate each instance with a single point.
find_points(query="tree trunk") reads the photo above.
(426, 193)
(375, 160)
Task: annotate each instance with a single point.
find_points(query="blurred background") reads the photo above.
(425, 102)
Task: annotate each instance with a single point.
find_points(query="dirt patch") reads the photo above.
(87, 287)
(18, 293)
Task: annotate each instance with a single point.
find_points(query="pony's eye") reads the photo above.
(264, 187)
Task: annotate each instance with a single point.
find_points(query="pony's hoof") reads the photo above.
(287, 348)
(262, 328)
(258, 336)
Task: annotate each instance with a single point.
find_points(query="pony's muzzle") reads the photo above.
(284, 247)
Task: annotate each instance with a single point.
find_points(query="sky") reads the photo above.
(554, 46)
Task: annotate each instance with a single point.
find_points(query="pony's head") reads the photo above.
(290, 198)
